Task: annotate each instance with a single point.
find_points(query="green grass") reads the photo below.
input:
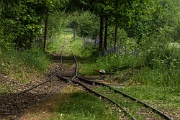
(157, 77)
(155, 80)
(133, 107)
(20, 64)
(55, 45)
(158, 65)
(84, 106)
(165, 94)
(32, 58)
(167, 98)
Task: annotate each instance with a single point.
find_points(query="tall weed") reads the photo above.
(162, 62)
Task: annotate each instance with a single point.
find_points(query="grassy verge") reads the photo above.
(164, 98)
(23, 65)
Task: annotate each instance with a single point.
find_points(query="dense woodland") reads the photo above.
(136, 42)
(23, 20)
(146, 29)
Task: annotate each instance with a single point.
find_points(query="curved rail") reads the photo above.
(100, 95)
(126, 95)
(16, 99)
(112, 89)
(76, 70)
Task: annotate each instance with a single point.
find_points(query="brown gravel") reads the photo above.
(12, 104)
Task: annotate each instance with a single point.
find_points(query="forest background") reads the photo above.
(141, 34)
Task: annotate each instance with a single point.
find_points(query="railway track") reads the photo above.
(133, 108)
(13, 105)
(69, 65)
(67, 72)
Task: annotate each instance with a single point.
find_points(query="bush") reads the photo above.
(88, 25)
(163, 57)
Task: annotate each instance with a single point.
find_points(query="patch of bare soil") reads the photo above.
(12, 104)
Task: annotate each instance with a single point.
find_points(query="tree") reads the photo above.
(20, 23)
(44, 8)
(87, 25)
(23, 20)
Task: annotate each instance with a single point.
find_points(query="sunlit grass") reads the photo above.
(55, 45)
(72, 103)
(161, 97)
(83, 106)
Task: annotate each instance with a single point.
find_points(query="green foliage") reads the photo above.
(171, 18)
(88, 25)
(160, 53)
(163, 57)
(22, 20)
(176, 33)
(55, 45)
(57, 22)
(143, 18)
(20, 24)
(35, 58)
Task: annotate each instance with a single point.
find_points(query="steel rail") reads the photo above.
(20, 93)
(88, 89)
(26, 90)
(126, 95)
(105, 98)
(100, 95)
(76, 68)
(53, 93)
(115, 91)
(43, 99)
(34, 86)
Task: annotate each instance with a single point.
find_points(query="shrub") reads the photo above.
(87, 25)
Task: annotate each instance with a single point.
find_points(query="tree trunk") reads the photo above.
(116, 27)
(105, 33)
(101, 32)
(45, 32)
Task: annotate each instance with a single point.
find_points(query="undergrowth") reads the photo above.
(156, 61)
(158, 64)
(21, 65)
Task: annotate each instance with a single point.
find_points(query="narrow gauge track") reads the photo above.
(68, 66)
(132, 107)
(14, 105)
(142, 110)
